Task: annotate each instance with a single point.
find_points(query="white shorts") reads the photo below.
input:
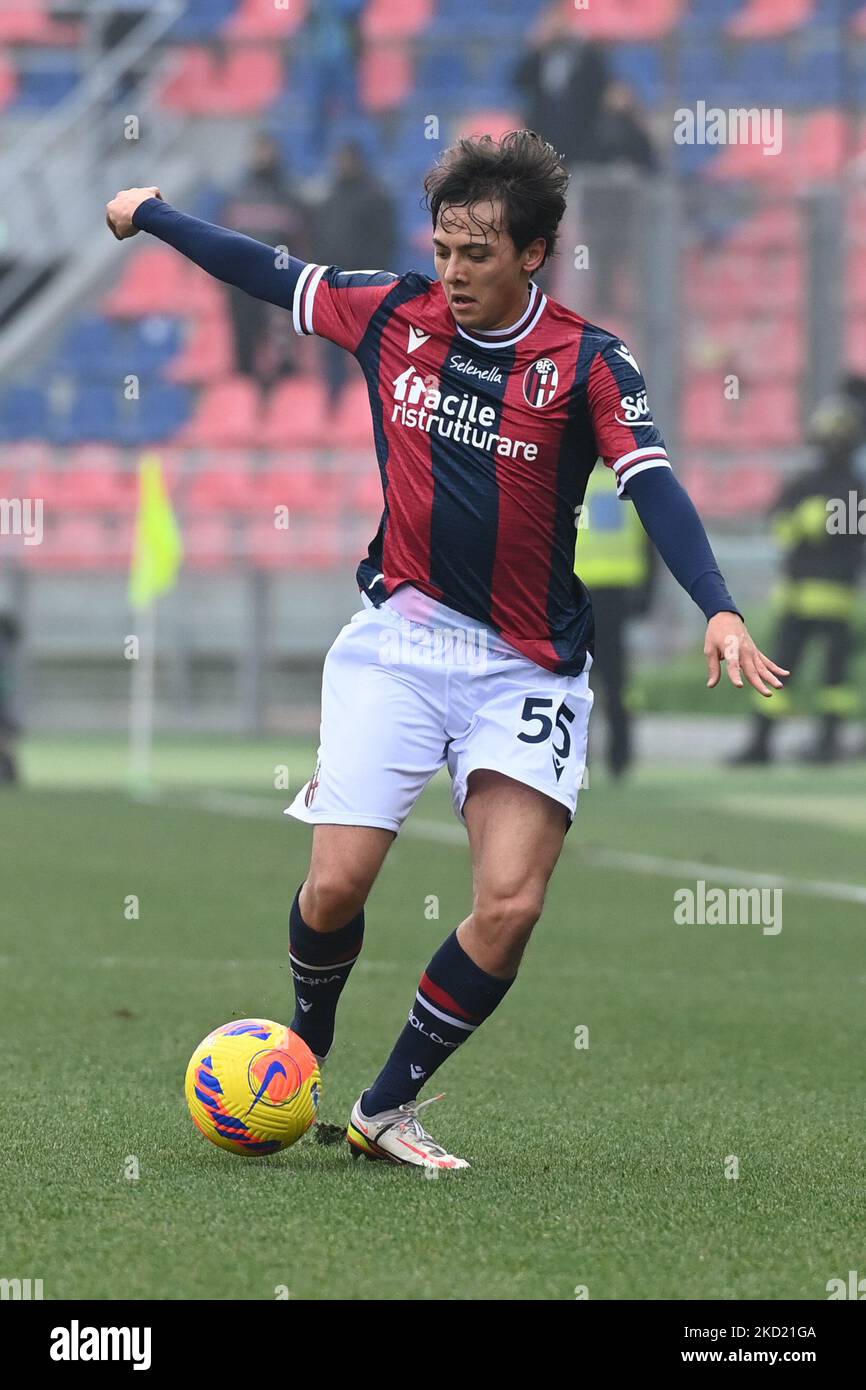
(413, 686)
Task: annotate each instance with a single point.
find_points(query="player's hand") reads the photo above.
(118, 213)
(728, 640)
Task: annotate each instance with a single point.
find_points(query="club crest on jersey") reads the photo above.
(540, 382)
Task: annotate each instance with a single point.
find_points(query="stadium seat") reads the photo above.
(91, 490)
(769, 18)
(495, 123)
(73, 543)
(303, 492)
(628, 20)
(23, 413)
(208, 352)
(385, 77)
(201, 19)
(193, 77)
(29, 22)
(364, 492)
(779, 225)
(40, 88)
(227, 414)
(250, 80)
(352, 427)
(227, 488)
(297, 414)
(309, 547)
(153, 282)
(208, 542)
(8, 80)
(263, 19)
(395, 19)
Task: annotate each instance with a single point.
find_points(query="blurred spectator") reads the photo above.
(329, 50)
(267, 207)
(618, 565)
(563, 78)
(356, 230)
(10, 634)
(621, 133)
(611, 208)
(818, 595)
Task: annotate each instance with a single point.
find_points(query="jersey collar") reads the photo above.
(507, 337)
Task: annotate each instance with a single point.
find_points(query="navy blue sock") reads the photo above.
(455, 996)
(320, 963)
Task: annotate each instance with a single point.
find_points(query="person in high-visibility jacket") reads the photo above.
(616, 563)
(817, 598)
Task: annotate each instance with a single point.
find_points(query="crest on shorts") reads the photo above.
(540, 382)
(312, 786)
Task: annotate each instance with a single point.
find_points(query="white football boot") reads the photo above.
(398, 1136)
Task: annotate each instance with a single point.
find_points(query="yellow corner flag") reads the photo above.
(157, 549)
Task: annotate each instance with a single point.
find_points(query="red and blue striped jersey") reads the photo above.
(485, 442)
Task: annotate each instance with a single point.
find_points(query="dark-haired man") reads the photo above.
(490, 405)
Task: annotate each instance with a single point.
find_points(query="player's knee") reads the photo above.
(331, 899)
(507, 917)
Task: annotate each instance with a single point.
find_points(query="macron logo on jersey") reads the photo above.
(416, 338)
(623, 352)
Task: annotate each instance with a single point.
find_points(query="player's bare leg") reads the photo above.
(515, 834)
(326, 924)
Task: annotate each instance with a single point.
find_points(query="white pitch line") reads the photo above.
(655, 865)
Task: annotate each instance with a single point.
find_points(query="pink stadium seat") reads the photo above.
(105, 457)
(251, 79)
(29, 21)
(495, 123)
(778, 225)
(208, 352)
(816, 146)
(766, 19)
(352, 428)
(94, 490)
(192, 80)
(766, 346)
(261, 19)
(385, 76)
(27, 456)
(855, 343)
(154, 282)
(297, 414)
(73, 543)
(306, 493)
(858, 23)
(395, 19)
(8, 80)
(627, 20)
(706, 413)
(228, 488)
(227, 414)
(310, 547)
(208, 543)
(364, 492)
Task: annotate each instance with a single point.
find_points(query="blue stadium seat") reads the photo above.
(157, 416)
(40, 88)
(22, 413)
(201, 19)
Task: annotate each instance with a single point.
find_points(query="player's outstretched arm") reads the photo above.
(673, 525)
(263, 271)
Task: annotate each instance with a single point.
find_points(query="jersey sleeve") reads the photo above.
(627, 437)
(339, 304)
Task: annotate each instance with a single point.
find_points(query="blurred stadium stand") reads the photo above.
(735, 264)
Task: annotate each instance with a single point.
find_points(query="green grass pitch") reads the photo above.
(602, 1167)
